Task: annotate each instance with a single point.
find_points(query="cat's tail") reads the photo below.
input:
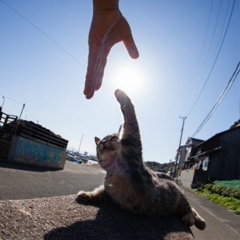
(199, 221)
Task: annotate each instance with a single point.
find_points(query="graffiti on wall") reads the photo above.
(39, 154)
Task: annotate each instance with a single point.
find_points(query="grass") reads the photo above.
(228, 202)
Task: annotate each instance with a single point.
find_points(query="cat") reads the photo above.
(128, 181)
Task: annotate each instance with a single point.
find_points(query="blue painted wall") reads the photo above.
(37, 154)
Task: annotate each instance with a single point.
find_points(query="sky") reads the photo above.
(189, 51)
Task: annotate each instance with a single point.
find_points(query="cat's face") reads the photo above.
(107, 149)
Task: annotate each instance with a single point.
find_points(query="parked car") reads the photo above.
(77, 161)
(70, 157)
(91, 162)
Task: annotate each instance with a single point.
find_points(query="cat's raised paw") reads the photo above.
(121, 96)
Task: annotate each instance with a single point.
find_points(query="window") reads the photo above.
(205, 164)
(198, 165)
(189, 148)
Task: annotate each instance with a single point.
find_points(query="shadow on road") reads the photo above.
(20, 166)
(111, 222)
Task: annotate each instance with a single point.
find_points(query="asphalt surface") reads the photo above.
(19, 182)
(61, 217)
(221, 223)
(23, 182)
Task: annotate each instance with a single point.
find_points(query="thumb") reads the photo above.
(131, 47)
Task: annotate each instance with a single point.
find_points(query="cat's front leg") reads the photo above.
(130, 126)
(125, 103)
(95, 196)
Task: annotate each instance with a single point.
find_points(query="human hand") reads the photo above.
(108, 28)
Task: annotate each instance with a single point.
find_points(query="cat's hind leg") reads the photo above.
(188, 219)
(199, 221)
(95, 196)
(193, 218)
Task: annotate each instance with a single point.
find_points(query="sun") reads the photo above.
(129, 77)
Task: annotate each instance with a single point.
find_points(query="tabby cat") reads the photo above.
(128, 182)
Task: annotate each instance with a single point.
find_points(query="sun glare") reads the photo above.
(129, 78)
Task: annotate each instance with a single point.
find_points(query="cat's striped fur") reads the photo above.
(128, 182)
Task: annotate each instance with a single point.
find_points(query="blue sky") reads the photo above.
(43, 60)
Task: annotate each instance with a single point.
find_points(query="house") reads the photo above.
(218, 158)
(185, 151)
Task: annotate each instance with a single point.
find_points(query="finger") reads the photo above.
(98, 82)
(96, 65)
(88, 90)
(106, 48)
(94, 83)
(92, 62)
(131, 47)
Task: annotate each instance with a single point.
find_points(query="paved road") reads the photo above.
(221, 223)
(20, 182)
(24, 183)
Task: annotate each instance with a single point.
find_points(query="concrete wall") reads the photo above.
(186, 177)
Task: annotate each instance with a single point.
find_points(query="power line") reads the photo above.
(214, 31)
(6, 97)
(44, 33)
(215, 60)
(224, 23)
(220, 98)
(206, 33)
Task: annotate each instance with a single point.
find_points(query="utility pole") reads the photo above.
(21, 111)
(3, 101)
(180, 141)
(19, 118)
(183, 118)
(80, 144)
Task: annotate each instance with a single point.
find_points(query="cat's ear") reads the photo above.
(97, 140)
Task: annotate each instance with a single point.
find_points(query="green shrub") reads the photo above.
(225, 196)
(223, 191)
(237, 211)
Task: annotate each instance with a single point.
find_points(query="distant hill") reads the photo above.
(160, 167)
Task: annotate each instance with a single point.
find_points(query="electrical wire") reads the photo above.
(220, 98)
(44, 33)
(207, 30)
(13, 100)
(214, 31)
(215, 60)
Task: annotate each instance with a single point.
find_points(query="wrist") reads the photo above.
(105, 5)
